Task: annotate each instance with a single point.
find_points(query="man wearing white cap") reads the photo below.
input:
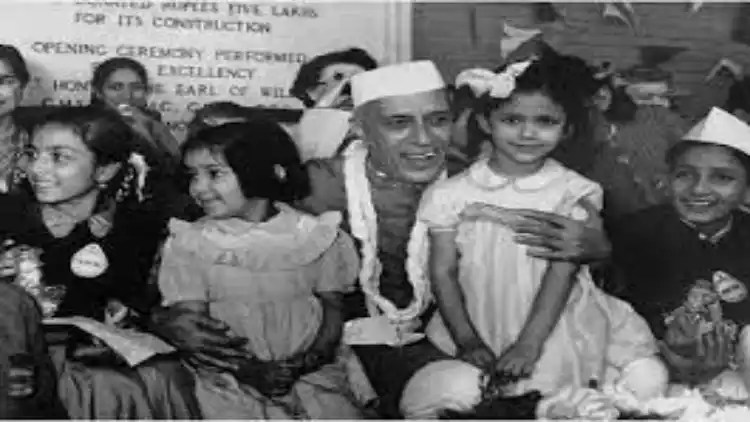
(403, 119)
(404, 123)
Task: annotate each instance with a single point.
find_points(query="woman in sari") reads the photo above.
(14, 76)
(81, 230)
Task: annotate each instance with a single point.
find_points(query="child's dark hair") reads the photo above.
(567, 80)
(261, 154)
(309, 73)
(106, 136)
(222, 109)
(13, 58)
(682, 147)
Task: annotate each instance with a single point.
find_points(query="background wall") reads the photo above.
(458, 35)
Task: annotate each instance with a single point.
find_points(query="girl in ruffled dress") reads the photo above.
(541, 322)
(274, 275)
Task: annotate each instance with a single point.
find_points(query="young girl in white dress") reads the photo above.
(274, 275)
(542, 322)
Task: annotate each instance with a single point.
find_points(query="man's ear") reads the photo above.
(357, 122)
(484, 124)
(746, 197)
(104, 174)
(570, 131)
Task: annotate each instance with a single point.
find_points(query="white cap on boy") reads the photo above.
(721, 128)
(395, 80)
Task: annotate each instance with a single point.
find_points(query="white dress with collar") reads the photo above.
(597, 335)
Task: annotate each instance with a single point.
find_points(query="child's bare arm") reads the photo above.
(549, 303)
(450, 299)
(331, 328)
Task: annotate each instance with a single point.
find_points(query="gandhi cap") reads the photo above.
(721, 128)
(396, 80)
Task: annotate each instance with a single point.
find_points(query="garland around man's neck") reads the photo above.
(364, 227)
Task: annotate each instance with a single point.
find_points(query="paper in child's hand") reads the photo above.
(135, 347)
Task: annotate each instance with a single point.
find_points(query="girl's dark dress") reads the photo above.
(130, 247)
(156, 389)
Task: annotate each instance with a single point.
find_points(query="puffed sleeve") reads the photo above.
(439, 208)
(582, 189)
(339, 266)
(183, 275)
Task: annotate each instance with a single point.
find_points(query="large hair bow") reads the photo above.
(497, 85)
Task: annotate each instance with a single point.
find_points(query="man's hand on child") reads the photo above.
(555, 237)
(550, 235)
(208, 341)
(518, 360)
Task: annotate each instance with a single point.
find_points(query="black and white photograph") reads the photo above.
(374, 209)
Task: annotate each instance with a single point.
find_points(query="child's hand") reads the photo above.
(270, 378)
(518, 360)
(478, 354)
(115, 313)
(682, 334)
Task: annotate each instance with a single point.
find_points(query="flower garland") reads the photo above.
(364, 227)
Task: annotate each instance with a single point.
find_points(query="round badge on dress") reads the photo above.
(89, 262)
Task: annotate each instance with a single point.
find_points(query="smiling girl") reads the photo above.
(80, 210)
(274, 275)
(543, 322)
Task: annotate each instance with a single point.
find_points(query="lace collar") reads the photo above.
(483, 176)
(288, 240)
